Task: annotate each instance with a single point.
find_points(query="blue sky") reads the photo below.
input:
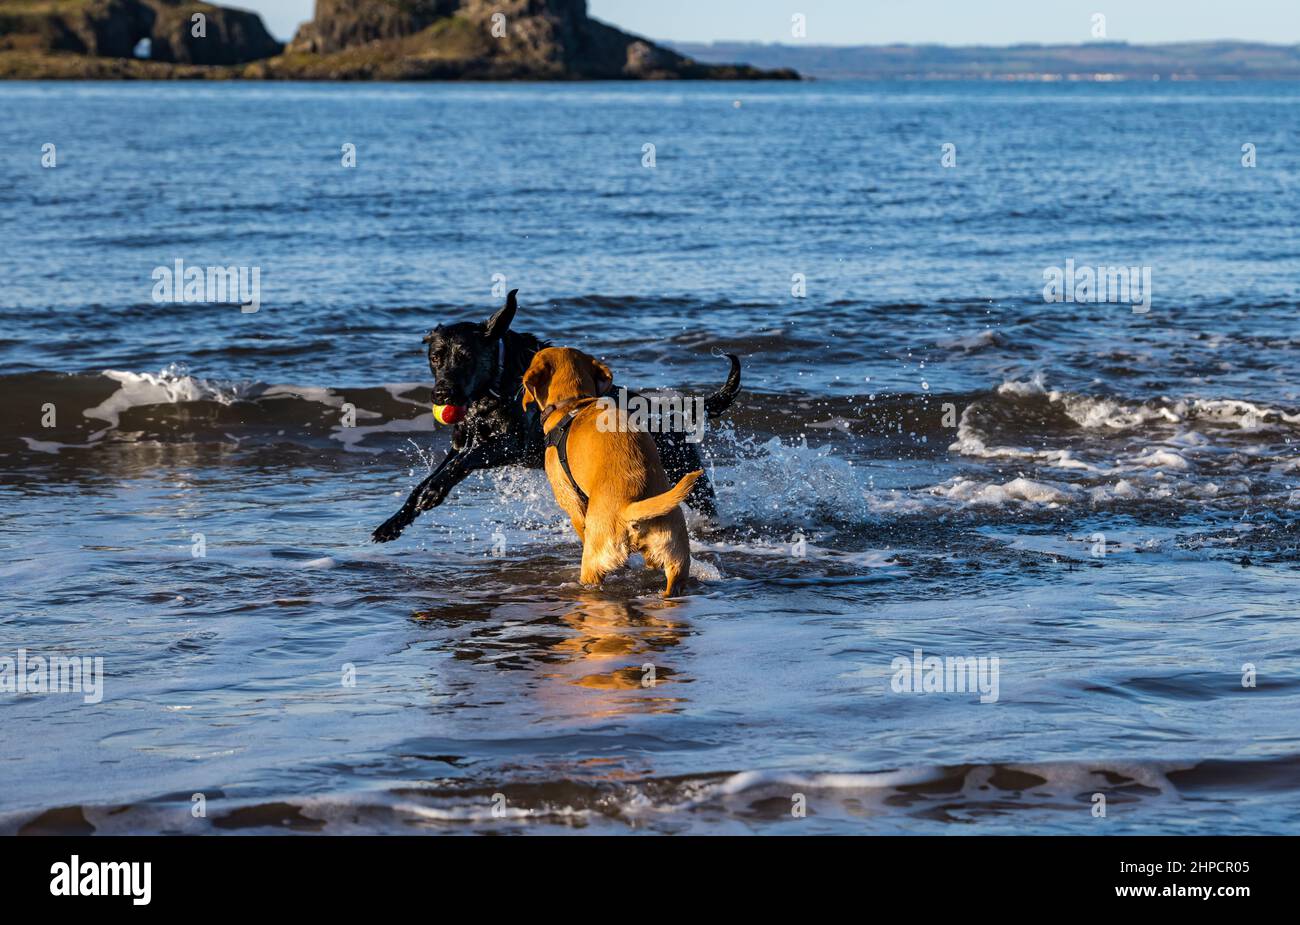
(949, 22)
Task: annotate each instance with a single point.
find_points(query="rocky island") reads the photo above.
(345, 40)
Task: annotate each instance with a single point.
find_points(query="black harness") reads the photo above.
(558, 437)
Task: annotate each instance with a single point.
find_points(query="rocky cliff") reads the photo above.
(503, 39)
(345, 40)
(114, 28)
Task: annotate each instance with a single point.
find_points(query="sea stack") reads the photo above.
(483, 40)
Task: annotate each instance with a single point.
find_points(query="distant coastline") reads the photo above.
(1088, 61)
(356, 40)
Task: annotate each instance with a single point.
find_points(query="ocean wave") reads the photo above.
(116, 407)
(1103, 437)
(815, 462)
(908, 800)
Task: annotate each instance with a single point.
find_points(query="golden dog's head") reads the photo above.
(559, 374)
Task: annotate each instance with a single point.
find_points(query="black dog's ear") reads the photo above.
(428, 338)
(499, 323)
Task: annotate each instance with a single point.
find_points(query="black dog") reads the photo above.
(482, 366)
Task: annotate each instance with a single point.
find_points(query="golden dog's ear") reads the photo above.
(601, 374)
(536, 383)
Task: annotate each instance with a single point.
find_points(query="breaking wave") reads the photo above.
(1020, 444)
(931, 799)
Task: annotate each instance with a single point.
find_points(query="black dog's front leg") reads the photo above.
(433, 490)
(392, 528)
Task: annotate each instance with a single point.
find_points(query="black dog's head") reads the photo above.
(463, 357)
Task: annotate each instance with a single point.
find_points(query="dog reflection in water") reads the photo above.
(618, 646)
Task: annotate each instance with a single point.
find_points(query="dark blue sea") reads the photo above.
(927, 454)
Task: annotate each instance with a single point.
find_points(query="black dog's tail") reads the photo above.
(721, 400)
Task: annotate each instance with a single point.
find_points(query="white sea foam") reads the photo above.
(1169, 438)
(1019, 489)
(1157, 458)
(52, 446)
(1099, 412)
(745, 782)
(174, 385)
(171, 385)
(352, 437)
(399, 391)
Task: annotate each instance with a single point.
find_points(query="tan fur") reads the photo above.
(631, 506)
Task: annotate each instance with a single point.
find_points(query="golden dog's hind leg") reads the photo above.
(672, 572)
(663, 550)
(677, 565)
(579, 527)
(604, 548)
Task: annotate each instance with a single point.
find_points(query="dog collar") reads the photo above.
(568, 403)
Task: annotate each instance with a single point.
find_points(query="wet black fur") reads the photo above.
(497, 431)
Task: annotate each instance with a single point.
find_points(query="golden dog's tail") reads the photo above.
(660, 505)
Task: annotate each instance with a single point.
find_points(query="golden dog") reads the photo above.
(606, 476)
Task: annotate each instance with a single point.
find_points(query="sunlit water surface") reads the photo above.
(923, 457)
